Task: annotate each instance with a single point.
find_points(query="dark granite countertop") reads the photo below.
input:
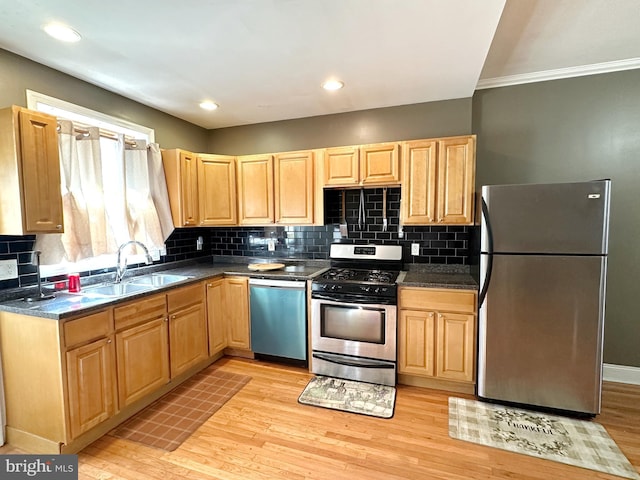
(438, 276)
(66, 305)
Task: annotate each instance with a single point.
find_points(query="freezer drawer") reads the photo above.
(541, 331)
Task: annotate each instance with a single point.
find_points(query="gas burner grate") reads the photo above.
(349, 274)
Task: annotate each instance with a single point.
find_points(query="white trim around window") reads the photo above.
(59, 108)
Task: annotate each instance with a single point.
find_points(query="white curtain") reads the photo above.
(113, 191)
(144, 211)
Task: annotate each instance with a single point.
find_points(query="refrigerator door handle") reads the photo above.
(487, 277)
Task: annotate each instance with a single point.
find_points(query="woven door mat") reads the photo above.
(173, 418)
(350, 396)
(562, 439)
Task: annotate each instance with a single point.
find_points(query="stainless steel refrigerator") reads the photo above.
(543, 266)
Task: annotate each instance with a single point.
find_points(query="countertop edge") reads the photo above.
(201, 272)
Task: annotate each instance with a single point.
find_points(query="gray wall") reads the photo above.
(563, 130)
(583, 128)
(407, 122)
(17, 74)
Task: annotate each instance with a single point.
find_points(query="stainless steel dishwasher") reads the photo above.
(278, 318)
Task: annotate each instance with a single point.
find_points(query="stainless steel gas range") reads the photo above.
(354, 314)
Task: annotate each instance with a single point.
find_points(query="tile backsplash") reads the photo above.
(438, 244)
(449, 245)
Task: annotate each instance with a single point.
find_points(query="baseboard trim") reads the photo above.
(621, 374)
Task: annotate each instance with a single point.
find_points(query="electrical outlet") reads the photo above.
(155, 254)
(199, 243)
(400, 232)
(415, 249)
(272, 245)
(8, 269)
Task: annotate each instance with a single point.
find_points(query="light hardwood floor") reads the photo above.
(263, 433)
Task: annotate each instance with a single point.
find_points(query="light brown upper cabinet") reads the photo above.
(255, 189)
(375, 164)
(181, 172)
(217, 190)
(438, 181)
(30, 173)
(293, 188)
(341, 166)
(276, 189)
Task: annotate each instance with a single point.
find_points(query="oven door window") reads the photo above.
(360, 324)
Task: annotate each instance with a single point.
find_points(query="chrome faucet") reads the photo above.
(121, 269)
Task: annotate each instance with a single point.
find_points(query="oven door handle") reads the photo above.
(359, 301)
(329, 359)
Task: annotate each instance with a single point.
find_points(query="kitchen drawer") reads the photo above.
(141, 310)
(437, 299)
(185, 296)
(84, 329)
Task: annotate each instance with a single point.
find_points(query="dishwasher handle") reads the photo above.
(264, 282)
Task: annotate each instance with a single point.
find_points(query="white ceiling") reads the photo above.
(264, 60)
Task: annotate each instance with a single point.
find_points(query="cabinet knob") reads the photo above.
(173, 317)
(166, 319)
(58, 227)
(109, 341)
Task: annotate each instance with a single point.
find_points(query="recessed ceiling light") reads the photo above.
(62, 32)
(208, 105)
(332, 85)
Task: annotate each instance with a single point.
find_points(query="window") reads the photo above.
(69, 111)
(111, 187)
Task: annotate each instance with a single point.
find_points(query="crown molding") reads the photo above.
(594, 69)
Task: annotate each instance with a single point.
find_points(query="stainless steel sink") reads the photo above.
(157, 279)
(115, 289)
(143, 283)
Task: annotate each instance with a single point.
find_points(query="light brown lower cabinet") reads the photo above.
(91, 370)
(91, 378)
(188, 340)
(236, 299)
(143, 360)
(216, 316)
(142, 346)
(436, 331)
(68, 382)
